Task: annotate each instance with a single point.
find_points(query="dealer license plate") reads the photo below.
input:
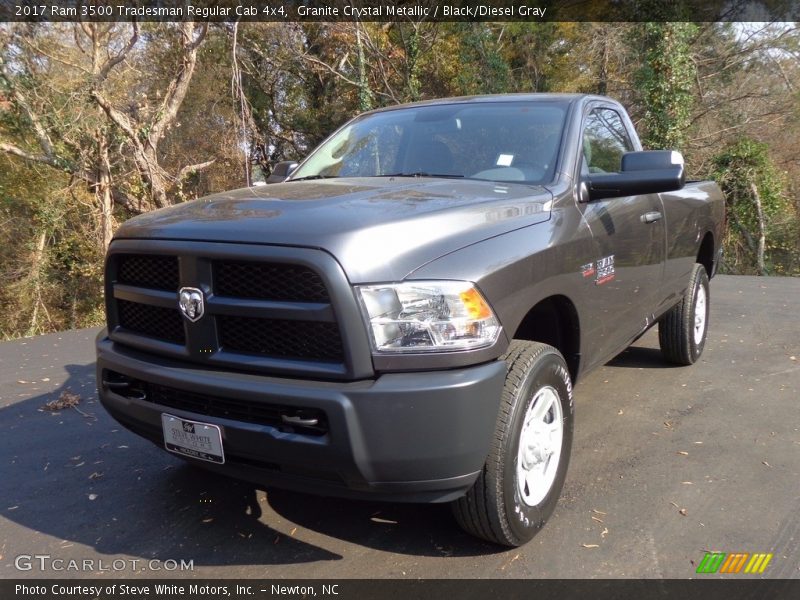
(191, 438)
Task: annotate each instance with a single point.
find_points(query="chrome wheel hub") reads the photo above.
(700, 315)
(540, 446)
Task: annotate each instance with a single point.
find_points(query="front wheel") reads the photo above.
(520, 483)
(682, 331)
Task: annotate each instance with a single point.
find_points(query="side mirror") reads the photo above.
(645, 172)
(282, 170)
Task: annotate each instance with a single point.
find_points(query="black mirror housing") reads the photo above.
(644, 172)
(282, 170)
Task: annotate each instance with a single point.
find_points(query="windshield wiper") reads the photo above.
(309, 177)
(423, 174)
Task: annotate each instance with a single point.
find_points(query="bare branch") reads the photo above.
(118, 117)
(120, 56)
(329, 68)
(189, 169)
(178, 87)
(77, 40)
(39, 158)
(194, 45)
(87, 30)
(41, 133)
(58, 59)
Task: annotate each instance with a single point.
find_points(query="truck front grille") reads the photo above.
(260, 314)
(274, 337)
(153, 321)
(268, 281)
(157, 272)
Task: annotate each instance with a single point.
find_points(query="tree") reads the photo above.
(666, 80)
(144, 130)
(764, 237)
(49, 71)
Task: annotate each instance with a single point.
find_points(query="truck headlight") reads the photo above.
(428, 316)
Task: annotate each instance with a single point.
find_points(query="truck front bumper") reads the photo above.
(412, 437)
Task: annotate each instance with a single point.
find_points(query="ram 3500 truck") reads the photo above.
(404, 317)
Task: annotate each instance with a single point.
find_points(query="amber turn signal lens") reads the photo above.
(475, 304)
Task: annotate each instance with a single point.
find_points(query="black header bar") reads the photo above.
(733, 588)
(400, 10)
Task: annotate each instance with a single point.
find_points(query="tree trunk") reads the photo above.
(364, 93)
(762, 231)
(155, 176)
(102, 191)
(602, 75)
(36, 277)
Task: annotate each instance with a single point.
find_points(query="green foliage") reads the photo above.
(666, 79)
(412, 51)
(489, 72)
(738, 168)
(50, 261)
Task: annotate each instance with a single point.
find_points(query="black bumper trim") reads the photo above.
(418, 437)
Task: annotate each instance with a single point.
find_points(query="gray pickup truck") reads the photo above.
(404, 317)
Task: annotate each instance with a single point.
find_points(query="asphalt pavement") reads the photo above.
(668, 463)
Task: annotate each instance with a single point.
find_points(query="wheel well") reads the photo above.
(705, 255)
(554, 321)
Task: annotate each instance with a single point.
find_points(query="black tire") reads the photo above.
(494, 509)
(680, 342)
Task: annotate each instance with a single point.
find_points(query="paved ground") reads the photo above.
(668, 463)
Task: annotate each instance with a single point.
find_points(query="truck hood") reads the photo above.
(379, 229)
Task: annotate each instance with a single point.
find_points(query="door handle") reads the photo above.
(651, 217)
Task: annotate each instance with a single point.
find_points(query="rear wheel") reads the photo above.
(519, 485)
(682, 331)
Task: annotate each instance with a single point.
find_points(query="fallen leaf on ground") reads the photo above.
(66, 400)
(503, 568)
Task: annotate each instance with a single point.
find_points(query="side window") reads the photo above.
(605, 140)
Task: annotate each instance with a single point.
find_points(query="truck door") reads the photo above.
(625, 273)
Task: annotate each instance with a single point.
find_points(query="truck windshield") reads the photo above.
(494, 141)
